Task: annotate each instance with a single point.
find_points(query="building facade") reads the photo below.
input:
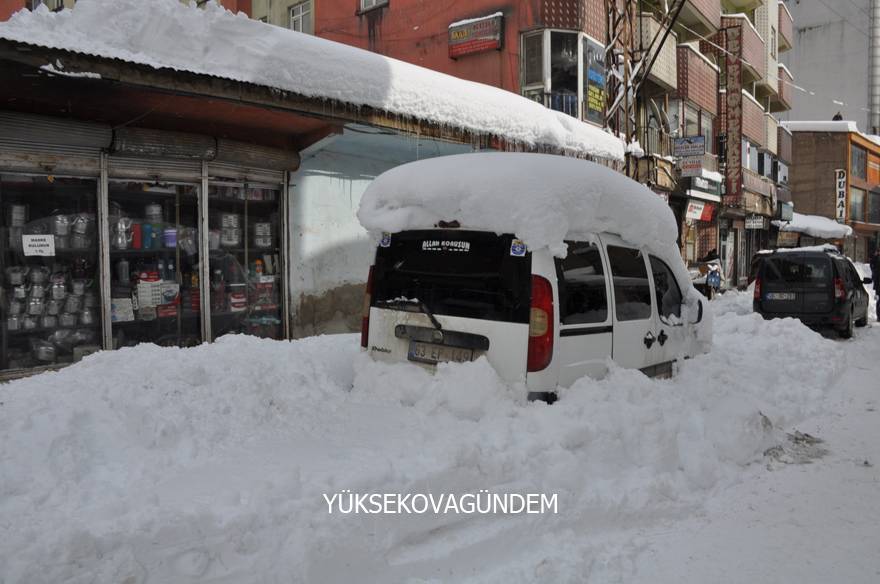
(836, 174)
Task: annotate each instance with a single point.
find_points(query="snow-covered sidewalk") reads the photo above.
(210, 464)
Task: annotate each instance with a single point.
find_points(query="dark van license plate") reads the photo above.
(431, 353)
(781, 295)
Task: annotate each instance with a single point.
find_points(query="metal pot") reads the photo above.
(35, 306)
(87, 317)
(67, 319)
(73, 303)
(78, 287)
(15, 307)
(16, 275)
(13, 322)
(53, 307)
(39, 275)
(30, 323)
(19, 292)
(45, 352)
(49, 321)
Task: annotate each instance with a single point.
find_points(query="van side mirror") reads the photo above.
(867, 280)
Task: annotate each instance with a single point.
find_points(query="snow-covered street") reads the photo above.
(211, 464)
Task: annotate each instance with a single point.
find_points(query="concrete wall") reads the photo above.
(830, 58)
(330, 253)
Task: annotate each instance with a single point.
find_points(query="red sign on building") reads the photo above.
(476, 35)
(734, 113)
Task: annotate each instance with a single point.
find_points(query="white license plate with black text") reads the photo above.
(781, 295)
(432, 353)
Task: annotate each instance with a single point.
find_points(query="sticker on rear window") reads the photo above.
(517, 248)
(386, 239)
(439, 245)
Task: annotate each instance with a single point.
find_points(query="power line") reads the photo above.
(844, 18)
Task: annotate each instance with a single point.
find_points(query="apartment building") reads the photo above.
(836, 174)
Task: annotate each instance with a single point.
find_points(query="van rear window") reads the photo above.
(797, 269)
(470, 274)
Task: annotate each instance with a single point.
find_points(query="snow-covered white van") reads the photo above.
(547, 284)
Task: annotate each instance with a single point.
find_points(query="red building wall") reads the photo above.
(417, 32)
(8, 7)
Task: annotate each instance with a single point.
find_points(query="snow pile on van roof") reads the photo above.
(815, 226)
(213, 41)
(541, 198)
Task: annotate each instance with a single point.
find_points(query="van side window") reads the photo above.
(632, 291)
(582, 298)
(667, 290)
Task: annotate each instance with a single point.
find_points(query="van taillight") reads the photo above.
(365, 316)
(540, 325)
(839, 290)
(757, 289)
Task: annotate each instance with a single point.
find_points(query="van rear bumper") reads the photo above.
(837, 318)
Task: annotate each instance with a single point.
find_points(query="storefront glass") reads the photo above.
(245, 259)
(154, 257)
(50, 298)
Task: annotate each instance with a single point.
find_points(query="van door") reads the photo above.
(585, 332)
(671, 332)
(635, 337)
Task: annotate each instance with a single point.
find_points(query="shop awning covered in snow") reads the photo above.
(165, 34)
(815, 226)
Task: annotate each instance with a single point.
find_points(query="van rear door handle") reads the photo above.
(661, 338)
(649, 339)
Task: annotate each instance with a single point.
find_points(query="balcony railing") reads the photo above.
(753, 120)
(753, 56)
(656, 143)
(697, 79)
(785, 81)
(664, 71)
(786, 28)
(771, 134)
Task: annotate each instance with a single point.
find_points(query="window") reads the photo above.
(858, 162)
(301, 17)
(772, 42)
(856, 204)
(582, 298)
(667, 291)
(706, 122)
(691, 121)
(533, 59)
(370, 4)
(632, 292)
(53, 5)
(874, 207)
(564, 72)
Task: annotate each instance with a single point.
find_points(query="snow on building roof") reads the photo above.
(820, 126)
(213, 41)
(815, 226)
(473, 20)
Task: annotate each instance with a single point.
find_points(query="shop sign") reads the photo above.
(691, 167)
(594, 82)
(733, 97)
(785, 212)
(699, 211)
(38, 245)
(787, 239)
(476, 35)
(840, 188)
(689, 147)
(756, 222)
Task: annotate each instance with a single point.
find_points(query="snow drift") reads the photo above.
(213, 41)
(815, 226)
(152, 464)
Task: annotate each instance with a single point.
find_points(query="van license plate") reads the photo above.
(781, 295)
(431, 353)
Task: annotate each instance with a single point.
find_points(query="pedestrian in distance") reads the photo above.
(875, 277)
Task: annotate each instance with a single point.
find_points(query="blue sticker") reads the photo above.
(386, 239)
(517, 248)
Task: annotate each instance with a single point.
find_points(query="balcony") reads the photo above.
(783, 145)
(782, 101)
(771, 134)
(664, 71)
(786, 29)
(697, 78)
(753, 120)
(753, 49)
(701, 16)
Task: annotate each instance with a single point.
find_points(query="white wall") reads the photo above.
(329, 250)
(830, 58)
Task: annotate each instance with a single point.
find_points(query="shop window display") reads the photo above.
(154, 264)
(50, 298)
(245, 259)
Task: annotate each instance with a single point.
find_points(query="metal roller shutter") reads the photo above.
(47, 145)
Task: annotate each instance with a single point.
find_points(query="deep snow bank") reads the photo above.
(165, 465)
